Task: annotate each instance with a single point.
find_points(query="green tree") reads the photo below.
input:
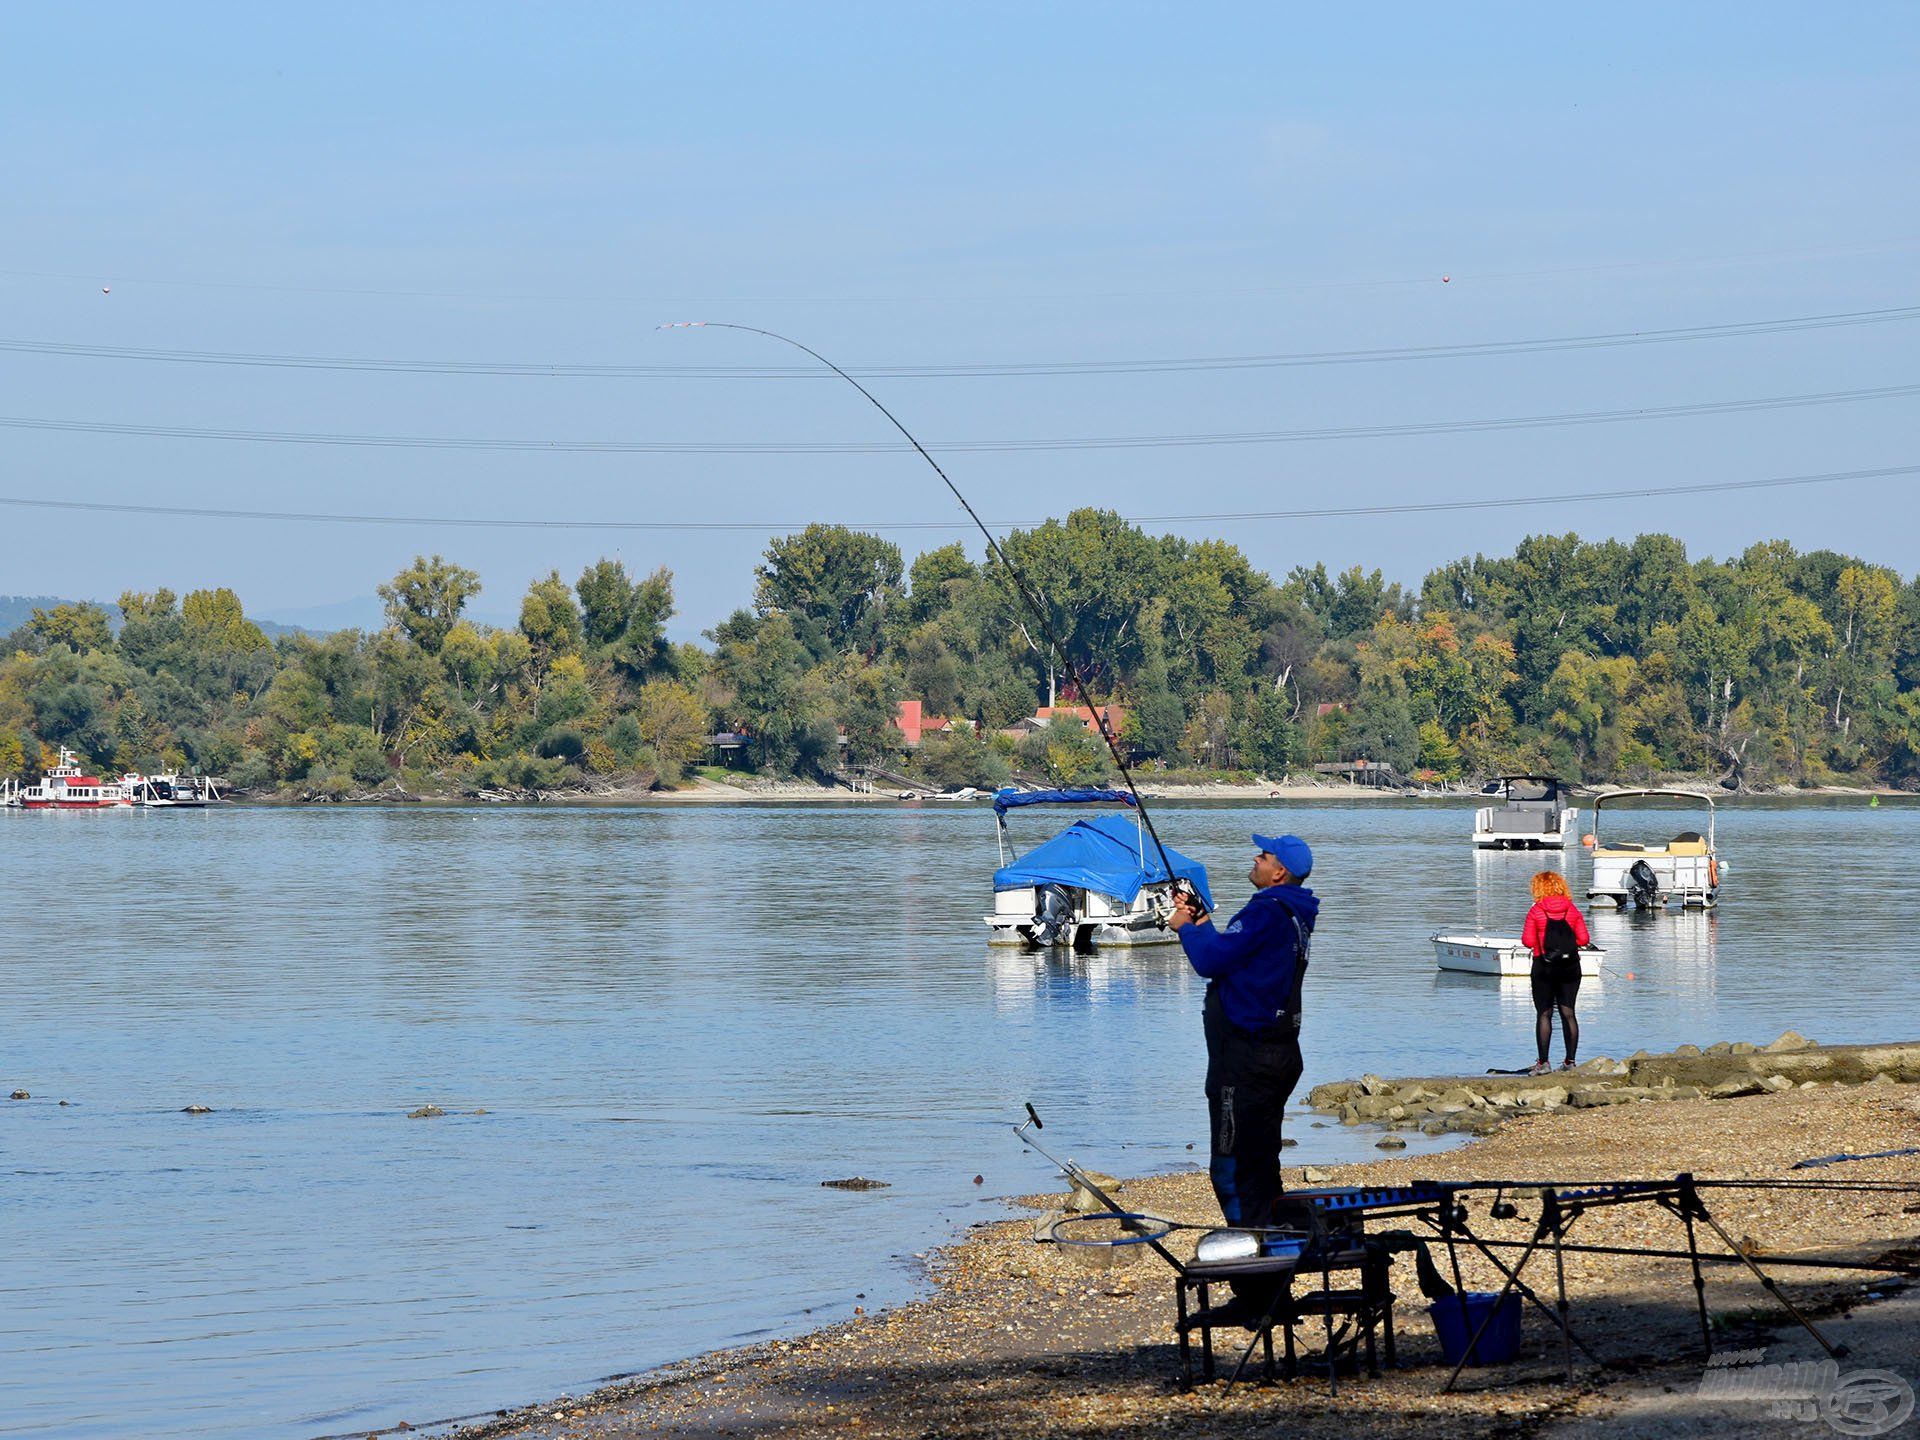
(839, 579)
(673, 723)
(550, 621)
(214, 619)
(78, 627)
(425, 600)
(1438, 753)
(1269, 740)
(1381, 727)
(933, 672)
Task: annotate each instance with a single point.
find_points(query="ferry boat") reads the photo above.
(67, 787)
(173, 792)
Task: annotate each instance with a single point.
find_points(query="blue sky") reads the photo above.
(900, 185)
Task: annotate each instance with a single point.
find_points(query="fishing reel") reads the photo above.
(1185, 896)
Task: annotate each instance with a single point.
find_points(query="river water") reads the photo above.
(655, 1031)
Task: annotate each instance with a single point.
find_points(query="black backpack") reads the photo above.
(1560, 947)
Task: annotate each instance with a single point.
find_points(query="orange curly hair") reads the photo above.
(1549, 882)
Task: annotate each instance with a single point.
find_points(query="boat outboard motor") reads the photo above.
(1052, 916)
(1645, 893)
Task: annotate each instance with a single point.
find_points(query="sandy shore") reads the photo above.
(1017, 1340)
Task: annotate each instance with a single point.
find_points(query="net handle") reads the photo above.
(1142, 1229)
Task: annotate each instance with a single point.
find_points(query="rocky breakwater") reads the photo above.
(1476, 1104)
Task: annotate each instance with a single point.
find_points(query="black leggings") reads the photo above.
(1556, 984)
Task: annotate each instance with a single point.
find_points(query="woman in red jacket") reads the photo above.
(1556, 933)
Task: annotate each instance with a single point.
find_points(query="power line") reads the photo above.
(608, 297)
(1417, 507)
(881, 447)
(1021, 369)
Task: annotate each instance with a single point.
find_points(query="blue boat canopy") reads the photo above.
(1011, 799)
(1103, 854)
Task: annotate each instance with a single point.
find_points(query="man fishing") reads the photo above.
(1254, 968)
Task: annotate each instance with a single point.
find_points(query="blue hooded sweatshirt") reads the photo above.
(1254, 959)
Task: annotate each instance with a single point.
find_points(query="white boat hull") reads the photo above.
(1477, 954)
(1488, 836)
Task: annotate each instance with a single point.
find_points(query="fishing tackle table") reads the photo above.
(1369, 1304)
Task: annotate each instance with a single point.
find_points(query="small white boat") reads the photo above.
(1685, 871)
(1532, 814)
(1478, 954)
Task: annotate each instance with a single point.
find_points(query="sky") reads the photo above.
(937, 186)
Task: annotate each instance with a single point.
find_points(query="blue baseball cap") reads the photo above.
(1291, 851)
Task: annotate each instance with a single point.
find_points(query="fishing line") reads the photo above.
(1020, 583)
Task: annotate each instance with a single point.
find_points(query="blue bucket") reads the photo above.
(1498, 1344)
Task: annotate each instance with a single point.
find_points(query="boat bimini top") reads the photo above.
(1530, 789)
(1687, 842)
(1107, 854)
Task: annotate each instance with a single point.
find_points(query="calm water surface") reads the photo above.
(677, 1022)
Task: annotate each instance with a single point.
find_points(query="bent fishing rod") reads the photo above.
(1029, 597)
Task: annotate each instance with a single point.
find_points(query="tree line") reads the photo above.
(1603, 660)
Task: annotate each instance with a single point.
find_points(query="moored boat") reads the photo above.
(1684, 871)
(1479, 954)
(173, 792)
(1532, 814)
(67, 787)
(1099, 882)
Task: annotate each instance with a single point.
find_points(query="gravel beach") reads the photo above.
(1017, 1339)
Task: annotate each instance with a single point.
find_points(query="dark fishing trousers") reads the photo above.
(1249, 1079)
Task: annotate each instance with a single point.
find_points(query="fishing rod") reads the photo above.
(1182, 890)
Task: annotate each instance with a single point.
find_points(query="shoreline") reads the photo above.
(794, 792)
(1014, 1339)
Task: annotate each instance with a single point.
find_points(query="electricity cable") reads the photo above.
(1107, 442)
(1412, 507)
(570, 370)
(1892, 245)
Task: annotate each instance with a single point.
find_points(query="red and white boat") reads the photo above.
(67, 787)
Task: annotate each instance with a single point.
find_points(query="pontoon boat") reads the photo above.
(1685, 870)
(1098, 882)
(1533, 814)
